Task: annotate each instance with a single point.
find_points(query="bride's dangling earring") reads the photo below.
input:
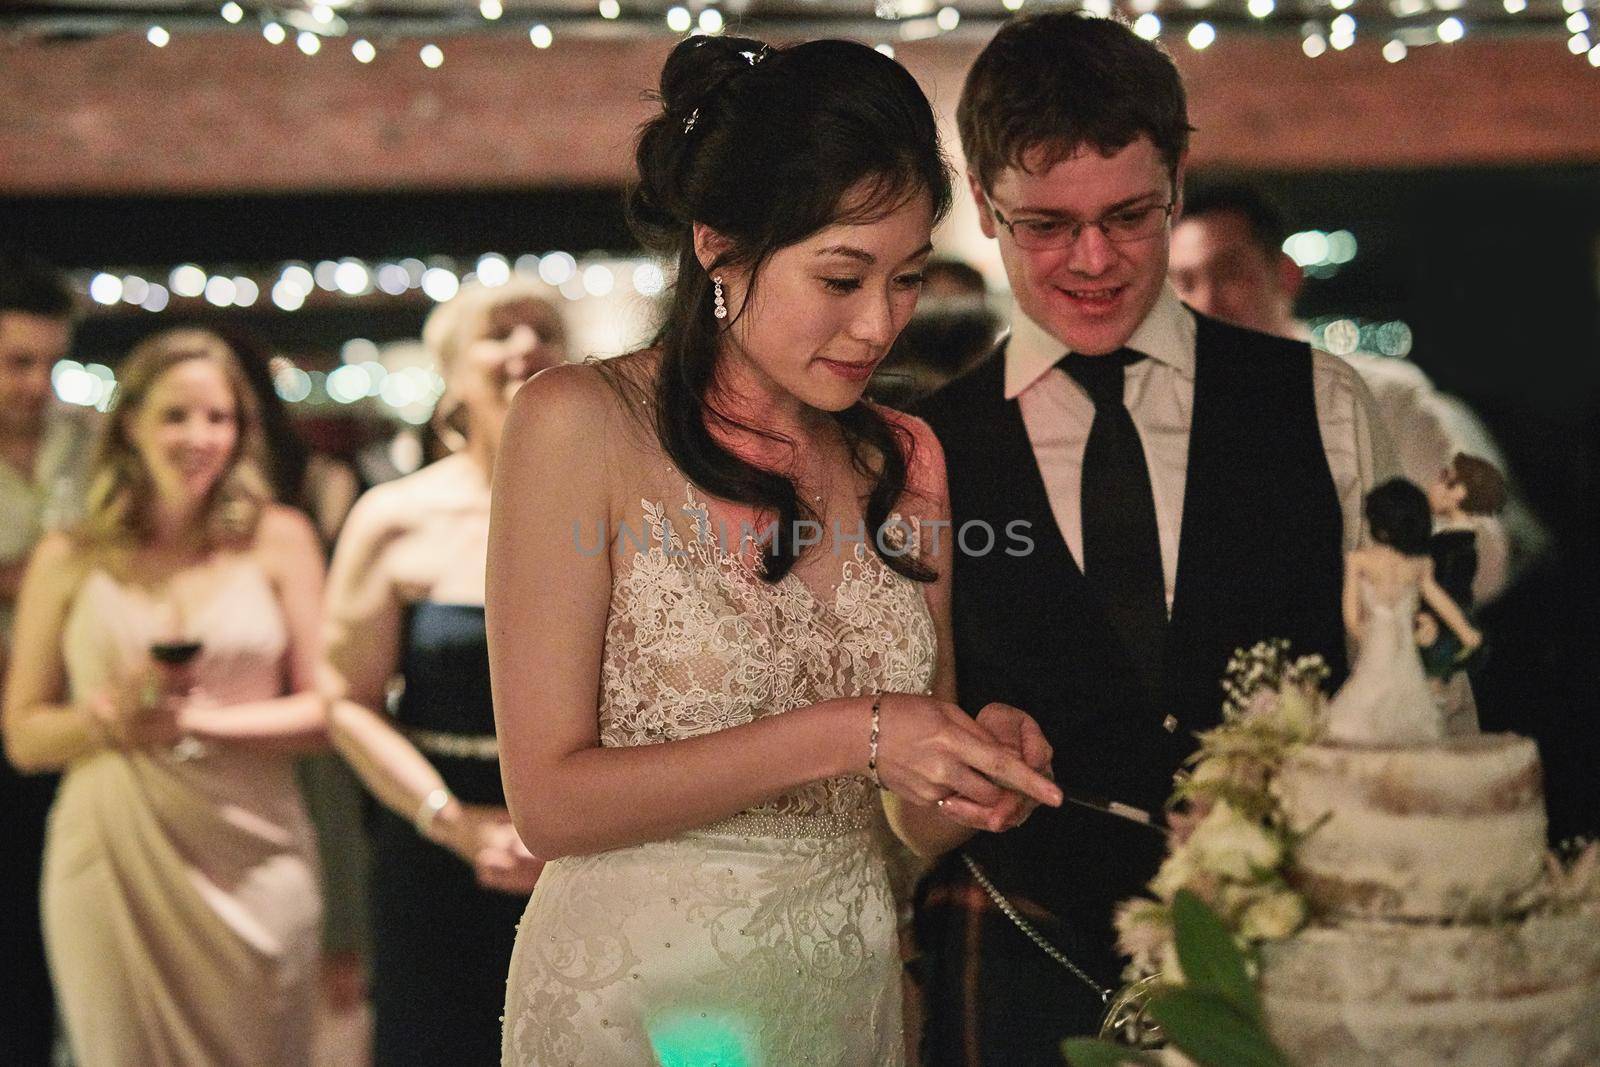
(720, 305)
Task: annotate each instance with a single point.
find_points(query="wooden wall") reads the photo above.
(229, 112)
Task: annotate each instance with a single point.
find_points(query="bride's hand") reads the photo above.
(931, 751)
(1017, 730)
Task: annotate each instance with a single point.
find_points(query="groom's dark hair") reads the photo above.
(1052, 83)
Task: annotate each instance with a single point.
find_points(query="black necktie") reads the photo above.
(1121, 542)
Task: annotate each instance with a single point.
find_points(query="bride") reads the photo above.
(1387, 698)
(704, 664)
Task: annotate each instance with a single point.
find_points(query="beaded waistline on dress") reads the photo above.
(484, 747)
(788, 825)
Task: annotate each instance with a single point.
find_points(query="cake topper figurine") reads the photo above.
(1387, 699)
(1461, 498)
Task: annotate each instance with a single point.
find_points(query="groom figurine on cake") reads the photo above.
(1189, 487)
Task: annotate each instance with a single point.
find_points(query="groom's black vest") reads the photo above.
(1260, 556)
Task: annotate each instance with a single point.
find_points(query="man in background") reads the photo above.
(43, 455)
(1227, 261)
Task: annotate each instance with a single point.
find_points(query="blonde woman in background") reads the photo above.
(405, 612)
(165, 656)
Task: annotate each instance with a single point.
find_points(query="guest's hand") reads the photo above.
(931, 751)
(505, 864)
(482, 835)
(1017, 730)
(138, 713)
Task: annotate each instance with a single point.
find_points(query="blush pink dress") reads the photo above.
(181, 901)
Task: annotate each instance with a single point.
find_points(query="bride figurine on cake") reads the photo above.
(1387, 699)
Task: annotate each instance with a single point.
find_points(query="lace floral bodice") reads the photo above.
(696, 642)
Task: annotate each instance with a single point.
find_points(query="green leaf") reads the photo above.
(1211, 1031)
(1211, 962)
(1092, 1052)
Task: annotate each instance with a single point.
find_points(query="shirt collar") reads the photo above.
(1166, 335)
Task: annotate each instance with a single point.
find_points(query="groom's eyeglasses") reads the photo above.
(1122, 226)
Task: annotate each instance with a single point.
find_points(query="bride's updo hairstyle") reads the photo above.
(768, 146)
(1399, 515)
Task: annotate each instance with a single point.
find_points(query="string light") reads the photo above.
(490, 9)
(1201, 35)
(1451, 30)
(886, 48)
(220, 291)
(1147, 26)
(1342, 34)
(1261, 8)
(308, 42)
(948, 18)
(610, 9)
(105, 289)
(1516, 7)
(678, 19)
(1577, 22)
(187, 280)
(1012, 5)
(711, 21)
(432, 56)
(232, 12)
(135, 290)
(541, 36)
(494, 270)
(274, 33)
(1578, 44)
(363, 51)
(158, 36)
(1314, 44)
(1394, 51)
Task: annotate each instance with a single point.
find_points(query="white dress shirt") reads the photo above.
(49, 497)
(1159, 395)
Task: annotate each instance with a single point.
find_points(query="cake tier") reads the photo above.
(1376, 994)
(1443, 831)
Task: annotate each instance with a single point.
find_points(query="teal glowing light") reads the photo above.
(691, 1038)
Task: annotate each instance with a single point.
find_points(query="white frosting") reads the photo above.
(1444, 832)
(1375, 993)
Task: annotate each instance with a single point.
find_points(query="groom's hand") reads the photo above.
(1015, 729)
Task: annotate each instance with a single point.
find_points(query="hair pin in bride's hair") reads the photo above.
(688, 123)
(756, 57)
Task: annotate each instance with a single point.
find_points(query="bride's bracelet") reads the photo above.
(872, 741)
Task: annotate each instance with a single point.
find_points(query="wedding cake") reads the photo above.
(1392, 885)
(1422, 867)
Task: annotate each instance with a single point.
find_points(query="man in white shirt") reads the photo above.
(1228, 261)
(1189, 488)
(43, 450)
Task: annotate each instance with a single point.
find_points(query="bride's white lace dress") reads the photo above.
(768, 938)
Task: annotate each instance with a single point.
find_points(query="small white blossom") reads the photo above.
(1274, 916)
(1227, 844)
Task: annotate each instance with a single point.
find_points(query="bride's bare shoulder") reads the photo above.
(583, 410)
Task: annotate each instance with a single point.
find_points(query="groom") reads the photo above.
(1191, 488)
